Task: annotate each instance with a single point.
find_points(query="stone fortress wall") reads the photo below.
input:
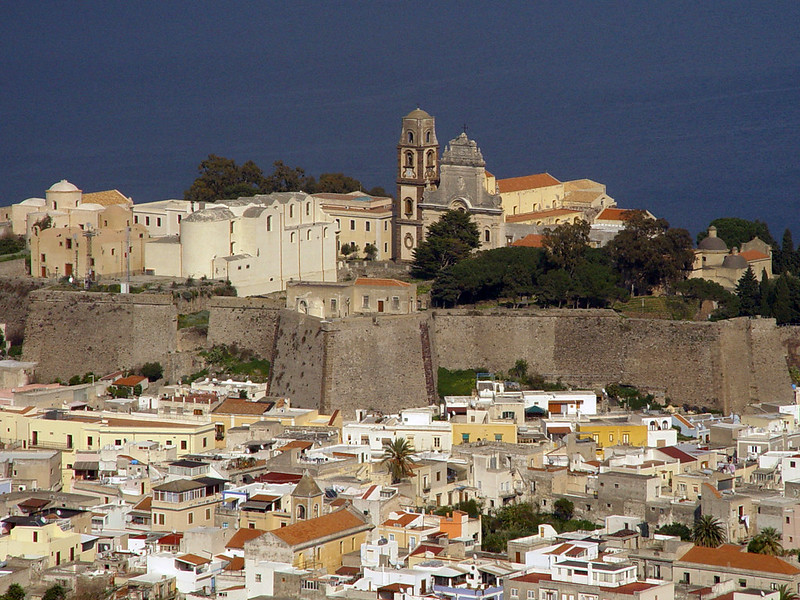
(390, 362)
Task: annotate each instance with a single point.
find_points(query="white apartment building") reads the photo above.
(414, 424)
(163, 217)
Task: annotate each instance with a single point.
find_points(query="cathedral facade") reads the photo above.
(428, 186)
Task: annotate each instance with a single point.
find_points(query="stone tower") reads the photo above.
(306, 499)
(417, 170)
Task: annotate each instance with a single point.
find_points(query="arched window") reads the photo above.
(301, 512)
(316, 510)
(430, 161)
(308, 234)
(487, 236)
(409, 159)
(409, 206)
(427, 137)
(269, 223)
(325, 232)
(410, 137)
(291, 211)
(338, 224)
(308, 208)
(291, 237)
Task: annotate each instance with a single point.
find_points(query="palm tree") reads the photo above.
(397, 458)
(767, 541)
(786, 593)
(708, 532)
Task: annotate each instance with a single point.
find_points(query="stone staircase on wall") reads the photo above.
(427, 361)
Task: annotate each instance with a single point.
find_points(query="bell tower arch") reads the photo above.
(417, 170)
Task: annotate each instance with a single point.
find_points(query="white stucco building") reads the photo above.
(257, 243)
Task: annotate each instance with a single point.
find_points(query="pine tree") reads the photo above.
(749, 295)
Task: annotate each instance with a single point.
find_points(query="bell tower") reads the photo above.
(417, 170)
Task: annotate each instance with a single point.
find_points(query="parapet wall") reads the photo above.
(71, 333)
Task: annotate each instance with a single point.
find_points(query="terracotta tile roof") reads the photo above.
(130, 381)
(532, 240)
(559, 430)
(144, 504)
(264, 498)
(277, 477)
(334, 523)
(541, 214)
(731, 556)
(533, 578)
(171, 539)
(487, 173)
(750, 255)
(674, 452)
(106, 198)
(712, 489)
(528, 182)
(632, 588)
(423, 548)
(376, 282)
(193, 559)
(404, 520)
(240, 406)
(302, 444)
(348, 571)
(614, 214)
(243, 535)
(560, 549)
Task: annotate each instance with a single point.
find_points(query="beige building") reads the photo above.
(184, 504)
(715, 262)
(363, 296)
(65, 205)
(361, 219)
(87, 252)
(163, 217)
(258, 243)
(536, 196)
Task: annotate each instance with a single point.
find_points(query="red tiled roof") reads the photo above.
(377, 282)
(243, 535)
(712, 489)
(532, 240)
(277, 477)
(240, 406)
(632, 588)
(193, 559)
(303, 445)
(144, 504)
(348, 571)
(528, 182)
(731, 556)
(171, 539)
(313, 529)
(130, 381)
(615, 214)
(236, 563)
(402, 521)
(532, 578)
(674, 452)
(753, 255)
(562, 430)
(423, 548)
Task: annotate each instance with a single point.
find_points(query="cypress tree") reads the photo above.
(749, 294)
(782, 307)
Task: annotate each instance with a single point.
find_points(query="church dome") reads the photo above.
(734, 261)
(712, 242)
(418, 113)
(63, 186)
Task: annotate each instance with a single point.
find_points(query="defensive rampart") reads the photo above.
(70, 333)
(389, 362)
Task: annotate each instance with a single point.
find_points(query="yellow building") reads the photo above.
(531, 193)
(184, 504)
(491, 431)
(612, 433)
(314, 543)
(361, 219)
(99, 248)
(45, 535)
(89, 431)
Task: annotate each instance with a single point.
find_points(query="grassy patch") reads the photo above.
(456, 383)
(197, 319)
(232, 362)
(659, 307)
